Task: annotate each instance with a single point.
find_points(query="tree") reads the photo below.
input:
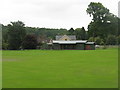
(118, 26)
(98, 11)
(4, 37)
(4, 34)
(80, 33)
(83, 33)
(16, 33)
(71, 31)
(29, 42)
(103, 22)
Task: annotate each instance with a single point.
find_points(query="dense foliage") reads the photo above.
(103, 22)
(29, 42)
(16, 33)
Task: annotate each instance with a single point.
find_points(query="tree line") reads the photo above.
(103, 30)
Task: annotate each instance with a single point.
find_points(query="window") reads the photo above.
(65, 39)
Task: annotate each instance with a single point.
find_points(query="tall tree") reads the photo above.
(103, 22)
(80, 33)
(83, 33)
(4, 34)
(98, 11)
(16, 33)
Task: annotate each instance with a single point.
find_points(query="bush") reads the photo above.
(91, 39)
(102, 42)
(44, 46)
(4, 46)
(104, 47)
(111, 40)
(30, 42)
(98, 40)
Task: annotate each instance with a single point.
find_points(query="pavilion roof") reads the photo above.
(70, 42)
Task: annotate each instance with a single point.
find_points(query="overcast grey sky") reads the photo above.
(51, 13)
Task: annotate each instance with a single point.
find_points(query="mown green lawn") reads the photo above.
(60, 69)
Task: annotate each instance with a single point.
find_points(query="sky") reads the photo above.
(51, 13)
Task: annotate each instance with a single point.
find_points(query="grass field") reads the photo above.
(60, 69)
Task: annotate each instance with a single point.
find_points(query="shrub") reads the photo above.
(98, 40)
(30, 42)
(44, 46)
(111, 40)
(91, 39)
(4, 46)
